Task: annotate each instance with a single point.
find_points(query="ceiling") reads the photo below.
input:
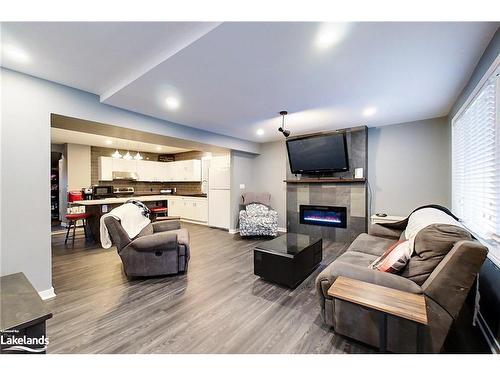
(233, 78)
(61, 136)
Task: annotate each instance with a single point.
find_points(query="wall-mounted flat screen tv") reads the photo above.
(318, 154)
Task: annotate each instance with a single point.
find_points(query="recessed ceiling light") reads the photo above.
(158, 148)
(172, 103)
(369, 111)
(15, 54)
(260, 132)
(330, 34)
(109, 142)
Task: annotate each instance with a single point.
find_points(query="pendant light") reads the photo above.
(127, 156)
(138, 156)
(282, 129)
(116, 155)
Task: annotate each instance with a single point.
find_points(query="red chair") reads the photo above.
(158, 210)
(74, 196)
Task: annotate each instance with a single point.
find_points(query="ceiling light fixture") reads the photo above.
(172, 103)
(260, 132)
(158, 148)
(127, 156)
(369, 111)
(330, 34)
(138, 156)
(116, 155)
(15, 54)
(109, 142)
(282, 129)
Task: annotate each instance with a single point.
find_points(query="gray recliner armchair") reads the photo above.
(161, 248)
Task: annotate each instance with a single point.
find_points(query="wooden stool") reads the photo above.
(158, 210)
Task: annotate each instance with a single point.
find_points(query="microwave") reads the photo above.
(99, 192)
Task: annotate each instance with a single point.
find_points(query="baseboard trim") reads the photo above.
(47, 294)
(488, 335)
(194, 222)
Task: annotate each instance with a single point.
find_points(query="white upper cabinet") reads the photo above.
(145, 170)
(122, 165)
(105, 169)
(151, 171)
(167, 171)
(188, 170)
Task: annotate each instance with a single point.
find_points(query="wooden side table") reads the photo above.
(385, 219)
(386, 301)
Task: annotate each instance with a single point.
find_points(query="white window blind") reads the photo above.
(476, 162)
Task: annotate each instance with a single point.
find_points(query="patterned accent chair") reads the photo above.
(258, 219)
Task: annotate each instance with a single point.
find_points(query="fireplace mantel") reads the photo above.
(324, 180)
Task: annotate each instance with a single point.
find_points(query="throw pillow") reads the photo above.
(394, 259)
(431, 245)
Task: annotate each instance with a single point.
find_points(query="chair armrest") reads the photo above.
(165, 225)
(383, 231)
(154, 242)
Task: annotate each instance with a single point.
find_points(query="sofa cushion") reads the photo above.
(430, 247)
(355, 266)
(373, 245)
(356, 258)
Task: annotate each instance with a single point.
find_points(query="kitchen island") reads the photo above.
(192, 208)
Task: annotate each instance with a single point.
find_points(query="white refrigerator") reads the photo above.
(219, 192)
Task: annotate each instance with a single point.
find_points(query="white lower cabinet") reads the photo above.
(189, 208)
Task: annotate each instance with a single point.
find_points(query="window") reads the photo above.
(476, 162)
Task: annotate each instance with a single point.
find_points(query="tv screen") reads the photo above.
(317, 154)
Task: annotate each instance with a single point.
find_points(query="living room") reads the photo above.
(339, 185)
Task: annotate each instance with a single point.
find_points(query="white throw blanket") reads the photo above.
(131, 219)
(424, 217)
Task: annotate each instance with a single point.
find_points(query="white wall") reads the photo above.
(242, 172)
(78, 166)
(409, 166)
(270, 170)
(27, 103)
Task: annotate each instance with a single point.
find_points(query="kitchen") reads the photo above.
(106, 172)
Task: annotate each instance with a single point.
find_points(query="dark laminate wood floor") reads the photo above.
(219, 306)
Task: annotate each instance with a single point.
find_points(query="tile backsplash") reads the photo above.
(144, 187)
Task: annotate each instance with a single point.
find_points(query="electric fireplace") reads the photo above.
(326, 216)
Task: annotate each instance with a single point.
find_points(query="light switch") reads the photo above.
(242, 186)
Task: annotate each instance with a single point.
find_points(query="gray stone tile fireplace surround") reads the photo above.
(350, 194)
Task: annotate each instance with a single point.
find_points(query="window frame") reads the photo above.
(494, 69)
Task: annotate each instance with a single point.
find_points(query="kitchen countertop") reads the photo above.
(143, 198)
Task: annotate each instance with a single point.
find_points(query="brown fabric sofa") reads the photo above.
(445, 290)
(161, 248)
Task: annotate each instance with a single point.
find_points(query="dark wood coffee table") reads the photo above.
(288, 259)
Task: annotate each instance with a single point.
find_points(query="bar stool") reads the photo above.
(73, 218)
(72, 221)
(156, 211)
